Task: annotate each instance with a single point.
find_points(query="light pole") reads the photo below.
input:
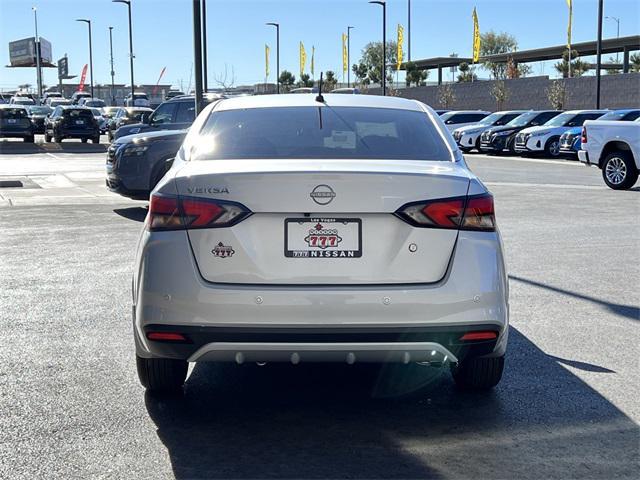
(349, 55)
(88, 22)
(128, 4)
(617, 20)
(205, 80)
(197, 51)
(384, 44)
(113, 97)
(277, 25)
(38, 67)
(599, 52)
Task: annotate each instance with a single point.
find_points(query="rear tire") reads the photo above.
(552, 148)
(96, 139)
(47, 138)
(161, 374)
(84, 140)
(30, 139)
(57, 139)
(478, 373)
(619, 170)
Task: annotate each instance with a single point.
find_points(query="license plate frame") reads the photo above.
(347, 225)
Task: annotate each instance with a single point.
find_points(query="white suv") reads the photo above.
(343, 228)
(546, 138)
(468, 137)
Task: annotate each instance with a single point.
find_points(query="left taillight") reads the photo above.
(461, 213)
(168, 212)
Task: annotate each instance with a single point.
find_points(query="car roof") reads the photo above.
(309, 100)
(586, 111)
(468, 111)
(14, 105)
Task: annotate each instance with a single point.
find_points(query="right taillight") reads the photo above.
(583, 137)
(461, 213)
(168, 212)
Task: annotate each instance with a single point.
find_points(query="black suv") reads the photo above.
(497, 139)
(175, 114)
(126, 116)
(71, 122)
(15, 122)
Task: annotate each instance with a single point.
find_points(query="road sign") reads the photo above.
(63, 67)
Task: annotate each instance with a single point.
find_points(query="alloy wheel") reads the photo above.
(616, 170)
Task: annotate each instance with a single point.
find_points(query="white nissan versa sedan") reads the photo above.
(302, 228)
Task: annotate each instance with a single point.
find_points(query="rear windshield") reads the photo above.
(321, 132)
(94, 103)
(39, 110)
(13, 113)
(78, 113)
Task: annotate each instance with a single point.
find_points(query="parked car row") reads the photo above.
(550, 133)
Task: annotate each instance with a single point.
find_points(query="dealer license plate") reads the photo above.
(321, 237)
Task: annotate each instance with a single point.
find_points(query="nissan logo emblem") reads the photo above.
(322, 194)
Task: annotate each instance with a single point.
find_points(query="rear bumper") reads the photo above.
(16, 133)
(382, 322)
(72, 133)
(583, 156)
(433, 344)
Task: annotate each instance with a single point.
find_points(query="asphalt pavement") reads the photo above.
(72, 406)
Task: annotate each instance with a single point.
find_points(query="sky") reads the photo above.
(163, 34)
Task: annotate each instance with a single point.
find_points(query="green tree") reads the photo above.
(578, 67)
(635, 62)
(466, 75)
(286, 79)
(360, 70)
(372, 59)
(613, 71)
(305, 81)
(414, 75)
(493, 43)
(330, 81)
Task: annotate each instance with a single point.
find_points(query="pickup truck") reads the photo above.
(614, 147)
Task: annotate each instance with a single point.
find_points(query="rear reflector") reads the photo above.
(168, 212)
(166, 337)
(464, 213)
(583, 136)
(478, 336)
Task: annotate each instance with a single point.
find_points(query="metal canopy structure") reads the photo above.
(584, 49)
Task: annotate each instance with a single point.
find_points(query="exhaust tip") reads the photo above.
(239, 358)
(351, 358)
(295, 358)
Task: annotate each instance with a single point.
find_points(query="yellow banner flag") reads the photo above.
(266, 60)
(476, 37)
(400, 43)
(345, 59)
(303, 58)
(570, 5)
(313, 54)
